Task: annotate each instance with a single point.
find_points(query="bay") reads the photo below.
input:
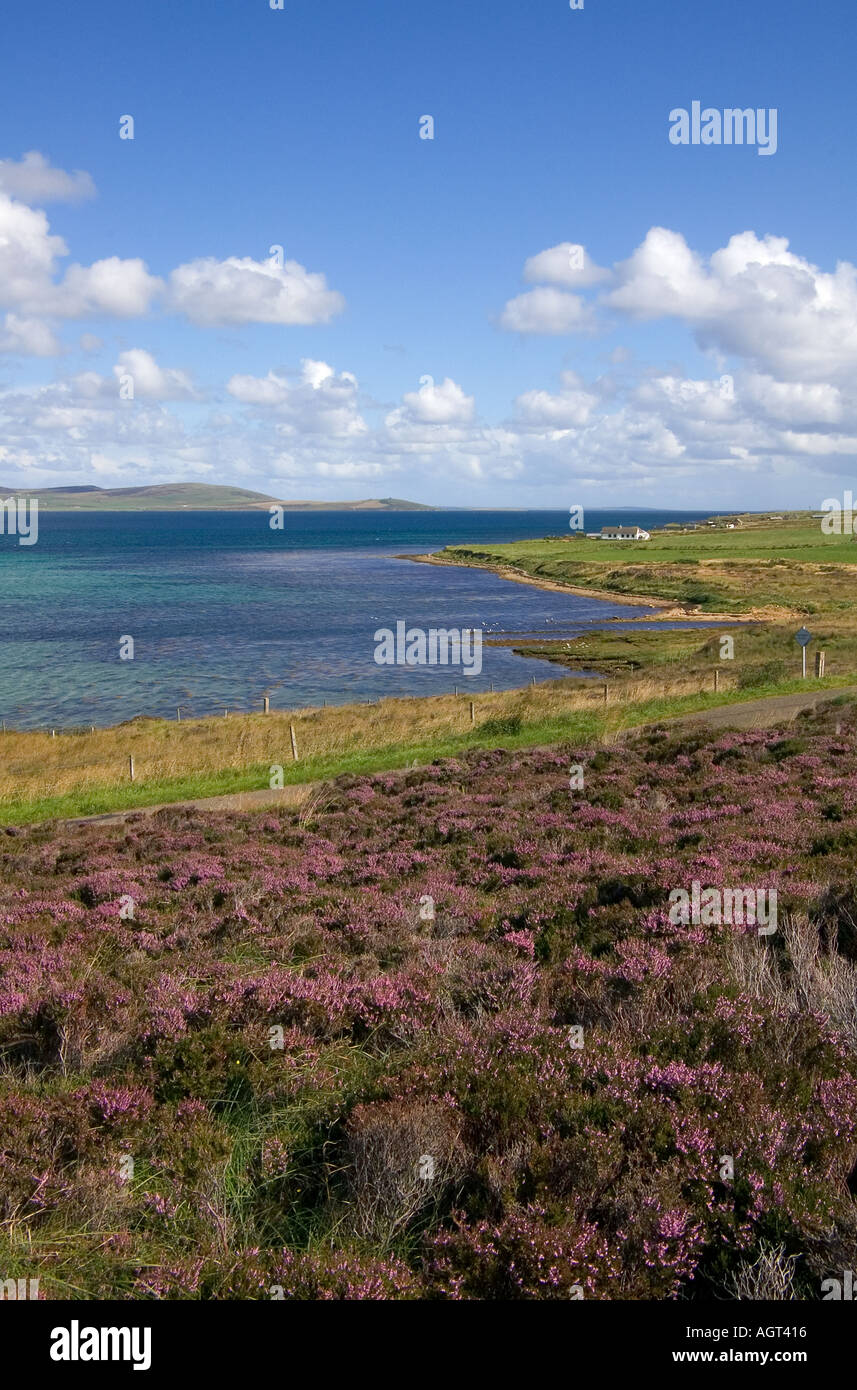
(224, 611)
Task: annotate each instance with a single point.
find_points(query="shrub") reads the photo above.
(510, 724)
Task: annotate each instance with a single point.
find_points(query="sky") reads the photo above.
(281, 283)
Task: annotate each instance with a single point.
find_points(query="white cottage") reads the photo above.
(624, 533)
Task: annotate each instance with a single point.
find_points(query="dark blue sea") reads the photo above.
(224, 611)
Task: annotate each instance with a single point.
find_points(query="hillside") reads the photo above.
(191, 497)
(439, 1034)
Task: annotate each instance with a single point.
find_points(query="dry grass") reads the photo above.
(36, 765)
(770, 1277)
(817, 980)
(404, 1157)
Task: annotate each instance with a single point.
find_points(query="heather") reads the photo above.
(229, 1042)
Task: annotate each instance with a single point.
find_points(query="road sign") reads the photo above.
(803, 637)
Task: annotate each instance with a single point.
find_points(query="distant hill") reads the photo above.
(175, 497)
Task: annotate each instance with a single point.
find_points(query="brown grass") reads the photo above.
(36, 765)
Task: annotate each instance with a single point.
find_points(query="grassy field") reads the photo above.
(790, 566)
(763, 652)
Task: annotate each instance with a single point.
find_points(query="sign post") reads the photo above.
(803, 638)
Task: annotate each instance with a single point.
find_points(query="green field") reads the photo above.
(790, 565)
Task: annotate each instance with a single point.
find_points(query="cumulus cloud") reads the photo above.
(659, 430)
(29, 253)
(753, 298)
(207, 291)
(151, 381)
(27, 337)
(547, 310)
(573, 405)
(122, 289)
(781, 398)
(568, 265)
(241, 290)
(318, 402)
(445, 404)
(35, 181)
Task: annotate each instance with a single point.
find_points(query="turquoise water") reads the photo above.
(224, 611)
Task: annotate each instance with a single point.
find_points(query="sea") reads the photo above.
(224, 611)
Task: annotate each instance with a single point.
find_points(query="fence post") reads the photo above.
(294, 742)
(266, 705)
(472, 713)
(178, 714)
(819, 664)
(717, 678)
(131, 767)
(606, 691)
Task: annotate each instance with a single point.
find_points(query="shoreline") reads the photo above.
(663, 610)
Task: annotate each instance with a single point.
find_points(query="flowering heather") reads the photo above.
(239, 1059)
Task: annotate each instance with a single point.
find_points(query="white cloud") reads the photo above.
(796, 402)
(572, 406)
(445, 404)
(34, 181)
(754, 298)
(151, 381)
(568, 265)
(28, 265)
(241, 290)
(27, 337)
(122, 289)
(547, 310)
(320, 402)
(28, 254)
(349, 470)
(784, 331)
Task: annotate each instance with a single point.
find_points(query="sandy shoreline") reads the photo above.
(664, 609)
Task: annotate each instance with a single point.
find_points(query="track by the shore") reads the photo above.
(261, 800)
(750, 714)
(760, 714)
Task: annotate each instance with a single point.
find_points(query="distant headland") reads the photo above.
(176, 497)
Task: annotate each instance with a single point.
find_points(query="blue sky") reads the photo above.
(656, 375)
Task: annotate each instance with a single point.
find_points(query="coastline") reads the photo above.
(663, 610)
